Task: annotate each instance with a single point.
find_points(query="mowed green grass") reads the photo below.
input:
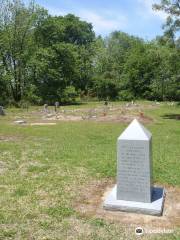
(42, 169)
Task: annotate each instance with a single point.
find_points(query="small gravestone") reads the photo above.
(46, 108)
(56, 106)
(2, 112)
(134, 191)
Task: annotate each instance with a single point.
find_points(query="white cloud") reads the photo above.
(106, 21)
(145, 10)
(56, 11)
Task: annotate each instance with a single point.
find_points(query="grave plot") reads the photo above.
(124, 114)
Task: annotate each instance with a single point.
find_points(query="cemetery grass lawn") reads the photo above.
(44, 168)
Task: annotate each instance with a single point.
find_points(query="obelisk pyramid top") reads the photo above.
(135, 131)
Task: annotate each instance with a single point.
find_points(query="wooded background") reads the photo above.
(46, 58)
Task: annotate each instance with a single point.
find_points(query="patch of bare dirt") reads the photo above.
(122, 113)
(66, 118)
(123, 117)
(90, 203)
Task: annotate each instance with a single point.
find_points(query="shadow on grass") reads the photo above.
(75, 103)
(171, 116)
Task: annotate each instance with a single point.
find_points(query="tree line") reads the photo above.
(46, 58)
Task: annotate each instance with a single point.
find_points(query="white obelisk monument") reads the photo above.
(134, 191)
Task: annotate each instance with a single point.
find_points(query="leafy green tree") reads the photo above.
(55, 69)
(69, 29)
(85, 67)
(172, 25)
(17, 23)
(105, 89)
(110, 61)
(76, 37)
(137, 73)
(136, 69)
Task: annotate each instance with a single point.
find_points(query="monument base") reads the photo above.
(153, 208)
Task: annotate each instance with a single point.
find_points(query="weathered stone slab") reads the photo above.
(153, 208)
(20, 122)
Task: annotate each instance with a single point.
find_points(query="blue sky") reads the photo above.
(135, 17)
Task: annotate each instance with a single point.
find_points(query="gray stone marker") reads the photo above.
(2, 112)
(46, 108)
(134, 173)
(134, 191)
(56, 106)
